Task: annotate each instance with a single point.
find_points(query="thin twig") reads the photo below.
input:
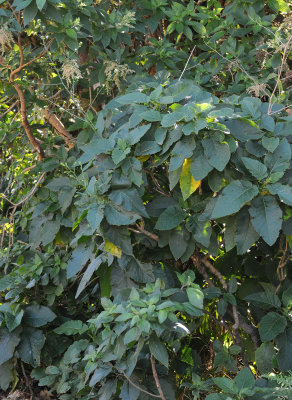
(235, 326)
(155, 376)
(284, 57)
(134, 384)
(282, 263)
(214, 271)
(141, 229)
(9, 109)
(220, 322)
(28, 196)
(157, 184)
(28, 385)
(188, 60)
(201, 270)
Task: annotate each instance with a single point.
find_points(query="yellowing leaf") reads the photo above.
(289, 240)
(188, 184)
(143, 158)
(112, 249)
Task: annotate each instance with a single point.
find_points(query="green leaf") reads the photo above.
(200, 166)
(99, 374)
(49, 232)
(170, 218)
(138, 271)
(92, 267)
(134, 97)
(21, 4)
(72, 327)
(201, 230)
(107, 390)
(279, 160)
(8, 343)
(279, 5)
(264, 300)
(244, 130)
(37, 315)
(283, 191)
(151, 115)
(95, 216)
(78, 259)
(255, 167)
(130, 200)
(32, 341)
(233, 198)
(271, 325)
(181, 151)
(146, 148)
(129, 392)
(173, 177)
(65, 197)
(29, 13)
(264, 357)
(244, 379)
(266, 218)
(132, 335)
(98, 146)
(13, 321)
(177, 243)
(105, 273)
(71, 33)
(169, 120)
(284, 343)
(195, 296)
(224, 384)
(245, 235)
(117, 215)
(217, 153)
(136, 134)
(215, 396)
(270, 143)
(199, 28)
(59, 184)
(187, 183)
(251, 106)
(6, 375)
(268, 123)
(40, 4)
(287, 297)
(133, 170)
(158, 350)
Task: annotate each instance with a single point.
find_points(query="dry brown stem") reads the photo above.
(281, 274)
(141, 229)
(134, 384)
(24, 122)
(57, 124)
(214, 271)
(155, 376)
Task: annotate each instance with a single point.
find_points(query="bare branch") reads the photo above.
(134, 384)
(156, 377)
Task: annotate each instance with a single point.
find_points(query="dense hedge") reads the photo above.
(146, 198)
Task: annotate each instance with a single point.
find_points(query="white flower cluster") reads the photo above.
(71, 71)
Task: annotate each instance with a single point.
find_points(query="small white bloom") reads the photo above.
(71, 71)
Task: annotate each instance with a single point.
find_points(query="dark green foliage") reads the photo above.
(163, 225)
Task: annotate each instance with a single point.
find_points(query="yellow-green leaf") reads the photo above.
(143, 158)
(188, 184)
(112, 249)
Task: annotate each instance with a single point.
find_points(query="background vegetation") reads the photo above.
(146, 223)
